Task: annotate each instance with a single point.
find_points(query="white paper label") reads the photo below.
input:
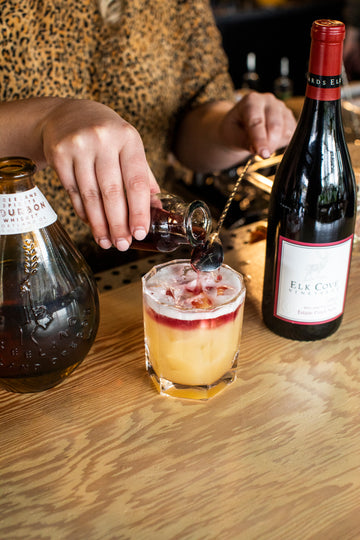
(311, 281)
(24, 212)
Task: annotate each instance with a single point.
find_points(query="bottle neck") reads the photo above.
(325, 64)
(23, 208)
(16, 175)
(197, 222)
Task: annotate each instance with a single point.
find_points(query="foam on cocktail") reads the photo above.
(182, 293)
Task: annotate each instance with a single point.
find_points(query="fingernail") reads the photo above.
(139, 233)
(105, 243)
(122, 244)
(264, 153)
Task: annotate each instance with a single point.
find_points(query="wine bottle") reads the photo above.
(312, 206)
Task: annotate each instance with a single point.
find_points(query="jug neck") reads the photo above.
(23, 207)
(16, 174)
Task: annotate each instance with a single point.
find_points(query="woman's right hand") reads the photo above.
(100, 160)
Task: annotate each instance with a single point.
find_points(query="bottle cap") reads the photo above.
(328, 30)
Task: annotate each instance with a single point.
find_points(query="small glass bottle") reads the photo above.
(49, 309)
(251, 79)
(175, 223)
(283, 85)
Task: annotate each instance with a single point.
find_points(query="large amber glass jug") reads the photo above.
(49, 309)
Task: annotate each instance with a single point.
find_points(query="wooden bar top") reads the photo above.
(275, 456)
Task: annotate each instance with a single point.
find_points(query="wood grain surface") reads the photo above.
(275, 456)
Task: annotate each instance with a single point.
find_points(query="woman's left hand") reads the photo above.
(260, 123)
(220, 134)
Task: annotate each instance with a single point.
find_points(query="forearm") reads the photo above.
(201, 142)
(21, 127)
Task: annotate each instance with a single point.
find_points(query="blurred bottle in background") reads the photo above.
(251, 79)
(283, 85)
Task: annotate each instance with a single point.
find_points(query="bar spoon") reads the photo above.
(209, 256)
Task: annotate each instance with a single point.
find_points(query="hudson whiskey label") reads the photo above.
(24, 212)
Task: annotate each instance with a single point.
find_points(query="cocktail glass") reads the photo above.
(192, 326)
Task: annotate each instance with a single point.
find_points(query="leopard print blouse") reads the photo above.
(162, 57)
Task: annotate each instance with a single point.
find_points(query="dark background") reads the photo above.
(271, 33)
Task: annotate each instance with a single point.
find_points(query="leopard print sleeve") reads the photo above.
(161, 57)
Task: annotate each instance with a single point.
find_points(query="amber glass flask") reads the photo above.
(49, 308)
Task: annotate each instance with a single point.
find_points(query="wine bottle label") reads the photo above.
(25, 211)
(311, 280)
(323, 81)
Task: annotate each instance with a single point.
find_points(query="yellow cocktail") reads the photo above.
(192, 324)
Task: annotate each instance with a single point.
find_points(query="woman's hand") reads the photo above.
(100, 160)
(221, 134)
(260, 123)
